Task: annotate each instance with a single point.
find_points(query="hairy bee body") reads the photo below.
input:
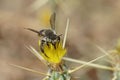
(48, 36)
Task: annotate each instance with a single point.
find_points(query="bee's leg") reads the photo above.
(48, 44)
(58, 38)
(54, 44)
(57, 42)
(42, 48)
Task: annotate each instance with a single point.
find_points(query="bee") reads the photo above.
(48, 35)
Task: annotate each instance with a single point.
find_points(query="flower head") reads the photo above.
(53, 53)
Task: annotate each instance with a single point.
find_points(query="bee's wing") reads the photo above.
(52, 20)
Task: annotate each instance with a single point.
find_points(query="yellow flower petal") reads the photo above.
(52, 54)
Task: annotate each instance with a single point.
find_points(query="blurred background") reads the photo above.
(91, 22)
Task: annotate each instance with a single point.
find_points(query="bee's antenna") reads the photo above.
(32, 30)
